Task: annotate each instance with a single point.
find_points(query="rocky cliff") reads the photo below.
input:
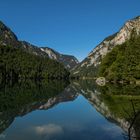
(69, 61)
(91, 62)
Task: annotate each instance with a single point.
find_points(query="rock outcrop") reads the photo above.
(95, 56)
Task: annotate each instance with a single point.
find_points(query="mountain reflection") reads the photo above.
(112, 101)
(20, 99)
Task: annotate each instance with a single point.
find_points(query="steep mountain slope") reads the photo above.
(89, 65)
(18, 61)
(8, 38)
(122, 63)
(17, 64)
(32, 49)
(69, 61)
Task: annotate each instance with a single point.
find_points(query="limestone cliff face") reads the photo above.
(125, 33)
(69, 61)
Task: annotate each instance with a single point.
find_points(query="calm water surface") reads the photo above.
(55, 111)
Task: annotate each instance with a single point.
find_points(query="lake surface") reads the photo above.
(58, 111)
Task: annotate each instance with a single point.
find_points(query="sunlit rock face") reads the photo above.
(125, 33)
(69, 61)
(117, 39)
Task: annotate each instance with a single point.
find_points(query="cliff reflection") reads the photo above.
(117, 103)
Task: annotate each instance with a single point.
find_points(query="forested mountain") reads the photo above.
(116, 57)
(16, 63)
(67, 60)
(8, 38)
(121, 43)
(123, 62)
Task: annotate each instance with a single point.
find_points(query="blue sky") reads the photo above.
(69, 26)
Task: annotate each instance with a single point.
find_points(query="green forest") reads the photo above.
(16, 64)
(123, 62)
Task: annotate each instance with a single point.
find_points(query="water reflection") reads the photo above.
(31, 111)
(21, 98)
(118, 103)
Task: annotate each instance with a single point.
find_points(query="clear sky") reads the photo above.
(69, 26)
